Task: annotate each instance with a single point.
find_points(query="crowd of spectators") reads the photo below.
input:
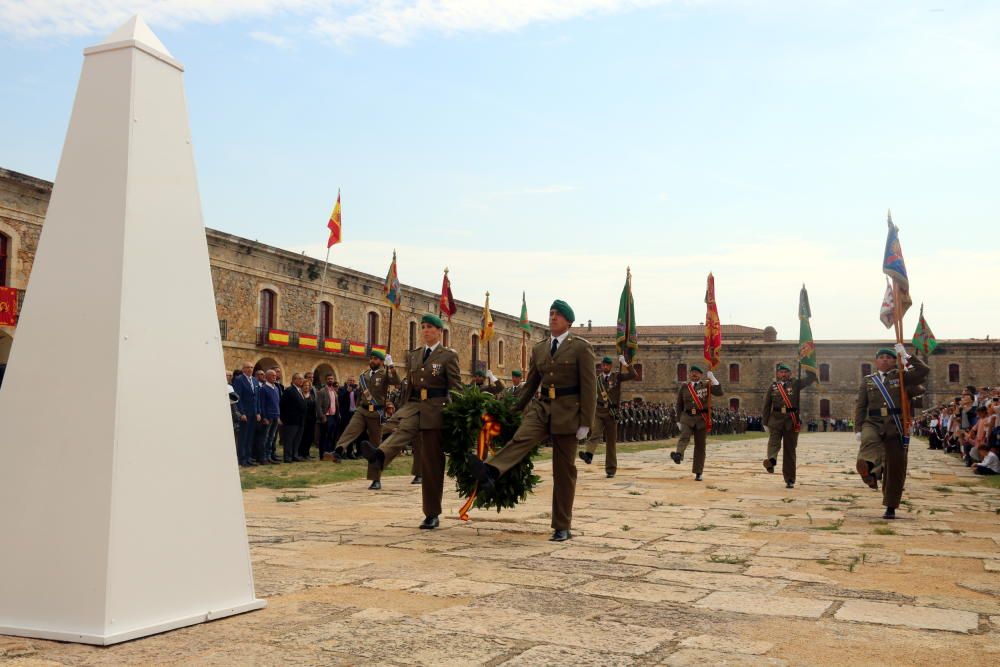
(267, 414)
(968, 426)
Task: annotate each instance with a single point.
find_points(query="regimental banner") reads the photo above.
(333, 345)
(308, 341)
(8, 306)
(356, 349)
(807, 347)
(278, 337)
(713, 327)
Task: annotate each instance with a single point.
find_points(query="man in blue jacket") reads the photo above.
(247, 389)
(270, 414)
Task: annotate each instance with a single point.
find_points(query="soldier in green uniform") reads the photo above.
(432, 372)
(487, 381)
(692, 406)
(370, 415)
(563, 367)
(609, 393)
(516, 383)
(878, 423)
(783, 420)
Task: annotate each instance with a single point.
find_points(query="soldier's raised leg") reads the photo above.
(682, 443)
(870, 455)
(773, 447)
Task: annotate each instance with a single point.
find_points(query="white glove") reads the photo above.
(581, 433)
(766, 430)
(711, 376)
(857, 436)
(901, 351)
(621, 360)
(388, 360)
(490, 376)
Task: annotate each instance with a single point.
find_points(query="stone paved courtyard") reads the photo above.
(736, 570)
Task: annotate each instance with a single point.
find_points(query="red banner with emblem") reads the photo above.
(8, 306)
(713, 327)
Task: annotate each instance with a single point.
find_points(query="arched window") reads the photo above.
(682, 372)
(638, 372)
(866, 369)
(734, 372)
(500, 353)
(325, 320)
(4, 252)
(954, 373)
(268, 306)
(734, 404)
(371, 334)
(475, 351)
(446, 338)
(413, 336)
(824, 408)
(824, 372)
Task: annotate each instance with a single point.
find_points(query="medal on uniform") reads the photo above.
(552, 392)
(423, 394)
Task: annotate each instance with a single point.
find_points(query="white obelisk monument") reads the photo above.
(121, 513)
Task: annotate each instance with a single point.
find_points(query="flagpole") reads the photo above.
(322, 282)
(899, 362)
(392, 307)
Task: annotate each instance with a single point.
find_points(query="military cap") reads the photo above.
(784, 367)
(886, 350)
(561, 306)
(516, 374)
(607, 360)
(479, 373)
(433, 320)
(379, 354)
(696, 367)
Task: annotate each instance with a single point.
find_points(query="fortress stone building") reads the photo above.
(273, 312)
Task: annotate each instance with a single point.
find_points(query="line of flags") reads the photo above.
(895, 303)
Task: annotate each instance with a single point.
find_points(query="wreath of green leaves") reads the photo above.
(462, 424)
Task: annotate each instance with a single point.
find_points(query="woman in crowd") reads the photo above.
(309, 424)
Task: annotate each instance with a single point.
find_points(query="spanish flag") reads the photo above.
(334, 345)
(308, 341)
(334, 224)
(356, 349)
(277, 337)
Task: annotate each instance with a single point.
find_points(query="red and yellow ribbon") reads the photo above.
(490, 430)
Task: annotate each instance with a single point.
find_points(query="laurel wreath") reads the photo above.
(462, 424)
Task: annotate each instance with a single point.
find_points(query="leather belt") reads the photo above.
(884, 412)
(696, 411)
(423, 394)
(784, 410)
(550, 393)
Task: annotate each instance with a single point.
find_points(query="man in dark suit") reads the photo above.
(269, 401)
(293, 415)
(246, 389)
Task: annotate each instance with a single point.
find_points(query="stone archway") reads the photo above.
(266, 363)
(320, 373)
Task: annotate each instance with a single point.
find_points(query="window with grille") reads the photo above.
(268, 301)
(682, 372)
(824, 372)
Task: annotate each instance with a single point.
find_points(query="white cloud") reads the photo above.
(391, 21)
(268, 38)
(400, 21)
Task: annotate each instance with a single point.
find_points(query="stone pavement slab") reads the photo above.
(923, 618)
(764, 605)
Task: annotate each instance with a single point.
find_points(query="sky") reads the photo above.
(546, 145)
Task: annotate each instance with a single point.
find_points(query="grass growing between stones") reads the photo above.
(293, 499)
(884, 530)
(312, 473)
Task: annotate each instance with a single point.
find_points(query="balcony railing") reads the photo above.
(310, 342)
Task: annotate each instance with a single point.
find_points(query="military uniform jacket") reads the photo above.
(871, 407)
(685, 402)
(515, 390)
(609, 390)
(775, 413)
(495, 388)
(567, 383)
(429, 385)
(377, 388)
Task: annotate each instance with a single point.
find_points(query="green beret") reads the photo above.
(516, 374)
(784, 367)
(379, 354)
(480, 373)
(886, 350)
(433, 320)
(696, 367)
(607, 360)
(561, 306)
